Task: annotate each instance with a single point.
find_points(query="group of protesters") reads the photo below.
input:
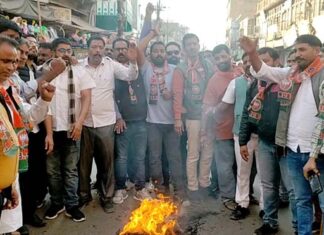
(152, 116)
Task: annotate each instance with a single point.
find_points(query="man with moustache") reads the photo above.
(173, 50)
(130, 130)
(235, 95)
(222, 129)
(98, 128)
(68, 110)
(189, 84)
(157, 75)
(44, 53)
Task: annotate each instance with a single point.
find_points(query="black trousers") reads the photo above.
(34, 182)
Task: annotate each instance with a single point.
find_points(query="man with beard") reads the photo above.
(98, 129)
(68, 111)
(173, 51)
(222, 129)
(235, 95)
(109, 52)
(157, 75)
(131, 132)
(44, 53)
(260, 115)
(189, 84)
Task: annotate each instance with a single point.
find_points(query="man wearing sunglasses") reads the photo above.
(173, 51)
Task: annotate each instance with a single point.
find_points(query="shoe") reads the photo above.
(107, 205)
(316, 227)
(230, 204)
(84, 202)
(120, 196)
(23, 230)
(254, 201)
(240, 213)
(283, 204)
(40, 204)
(150, 187)
(129, 185)
(261, 214)
(266, 229)
(75, 214)
(53, 212)
(142, 194)
(35, 221)
(94, 186)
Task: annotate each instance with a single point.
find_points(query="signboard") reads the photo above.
(62, 14)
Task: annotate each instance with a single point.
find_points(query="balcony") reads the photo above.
(265, 5)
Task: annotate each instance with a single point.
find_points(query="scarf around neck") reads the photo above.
(157, 83)
(20, 124)
(196, 73)
(290, 86)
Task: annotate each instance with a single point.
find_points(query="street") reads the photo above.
(210, 217)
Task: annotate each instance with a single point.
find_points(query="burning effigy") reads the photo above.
(153, 217)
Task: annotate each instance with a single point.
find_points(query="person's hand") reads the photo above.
(74, 60)
(132, 53)
(149, 10)
(244, 152)
(248, 45)
(120, 126)
(178, 127)
(310, 167)
(46, 91)
(14, 201)
(76, 130)
(57, 66)
(49, 144)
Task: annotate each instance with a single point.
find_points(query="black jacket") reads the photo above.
(266, 127)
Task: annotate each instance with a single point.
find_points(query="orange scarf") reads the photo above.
(20, 124)
(290, 86)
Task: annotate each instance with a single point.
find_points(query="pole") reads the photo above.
(39, 14)
(121, 17)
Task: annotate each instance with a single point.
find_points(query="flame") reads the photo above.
(153, 217)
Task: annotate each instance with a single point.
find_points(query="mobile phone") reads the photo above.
(315, 184)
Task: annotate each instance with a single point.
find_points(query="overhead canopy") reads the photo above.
(28, 9)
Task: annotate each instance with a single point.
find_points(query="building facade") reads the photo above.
(237, 11)
(107, 15)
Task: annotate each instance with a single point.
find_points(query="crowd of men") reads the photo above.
(153, 115)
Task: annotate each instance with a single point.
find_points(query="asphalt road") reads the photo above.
(207, 217)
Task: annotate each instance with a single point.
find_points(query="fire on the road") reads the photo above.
(153, 217)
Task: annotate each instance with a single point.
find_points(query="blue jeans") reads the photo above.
(62, 171)
(272, 169)
(160, 135)
(303, 191)
(134, 138)
(225, 160)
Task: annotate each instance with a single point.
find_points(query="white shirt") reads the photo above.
(59, 107)
(229, 96)
(36, 112)
(102, 110)
(303, 113)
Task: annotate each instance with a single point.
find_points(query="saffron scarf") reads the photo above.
(196, 72)
(256, 106)
(20, 125)
(157, 83)
(290, 86)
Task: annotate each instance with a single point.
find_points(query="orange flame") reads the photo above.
(153, 217)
